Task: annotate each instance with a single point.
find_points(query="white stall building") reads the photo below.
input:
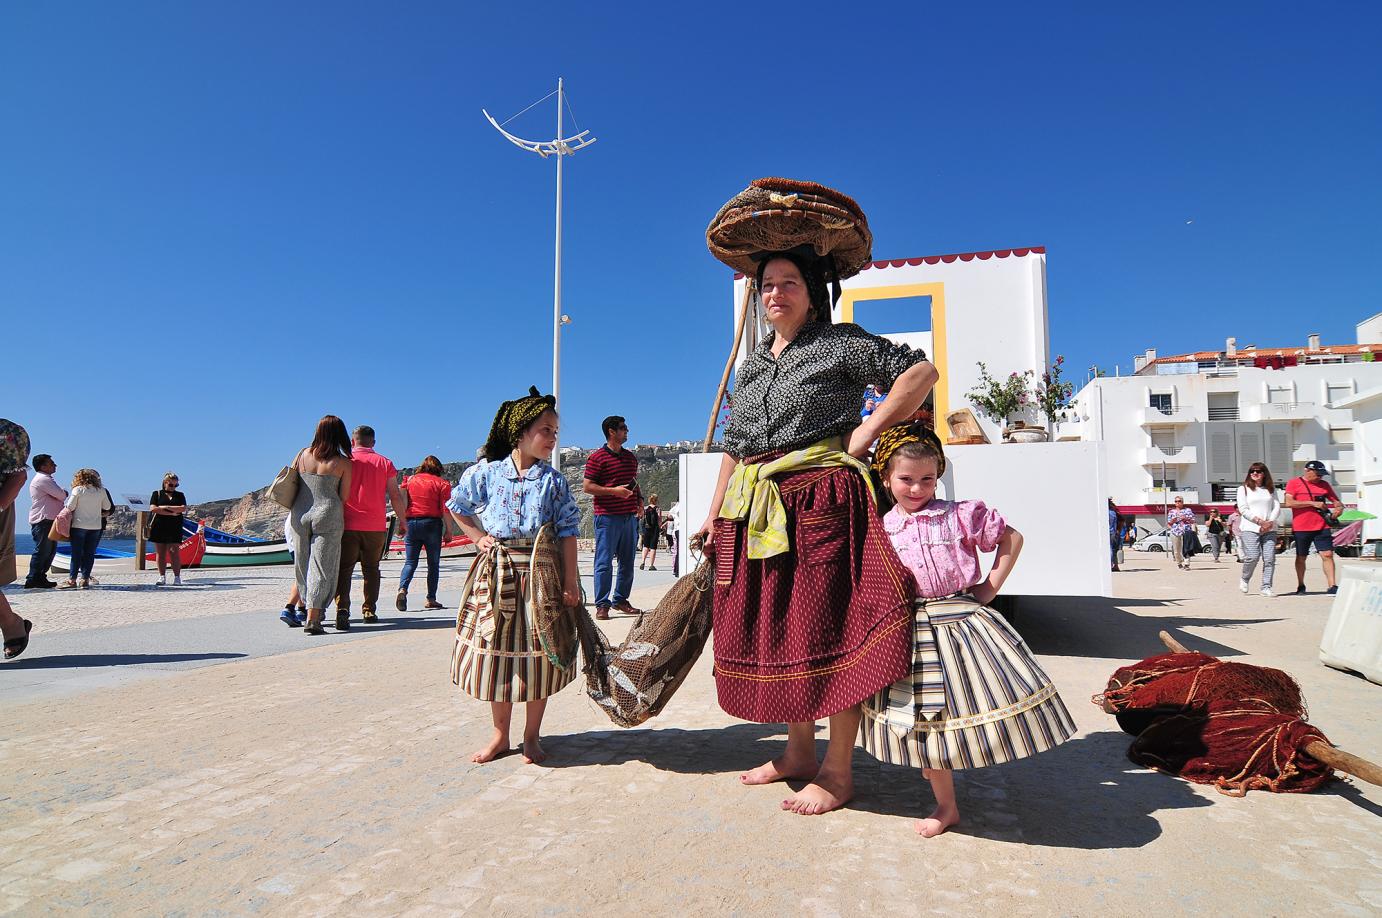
(962, 309)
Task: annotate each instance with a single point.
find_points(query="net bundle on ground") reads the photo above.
(1234, 725)
(634, 681)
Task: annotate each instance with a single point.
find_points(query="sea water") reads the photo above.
(24, 544)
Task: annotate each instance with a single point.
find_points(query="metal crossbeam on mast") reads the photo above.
(560, 147)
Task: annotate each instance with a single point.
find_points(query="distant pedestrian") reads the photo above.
(611, 475)
(1180, 521)
(1214, 525)
(1258, 509)
(373, 478)
(89, 503)
(1114, 529)
(46, 498)
(14, 453)
(425, 494)
(1314, 506)
(318, 516)
(168, 506)
(295, 610)
(650, 526)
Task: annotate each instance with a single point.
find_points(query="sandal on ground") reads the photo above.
(15, 646)
(313, 627)
(433, 604)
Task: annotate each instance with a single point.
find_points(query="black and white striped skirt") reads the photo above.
(976, 696)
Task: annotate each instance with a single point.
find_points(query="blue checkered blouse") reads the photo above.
(510, 505)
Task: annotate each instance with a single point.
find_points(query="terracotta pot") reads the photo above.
(1026, 435)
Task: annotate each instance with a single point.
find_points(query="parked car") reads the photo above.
(1161, 540)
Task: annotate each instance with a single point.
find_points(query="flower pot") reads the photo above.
(1026, 435)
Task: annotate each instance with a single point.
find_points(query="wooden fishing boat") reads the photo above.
(115, 561)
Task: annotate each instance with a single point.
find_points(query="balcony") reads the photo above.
(1305, 452)
(1171, 455)
(1070, 430)
(1165, 496)
(1157, 417)
(1280, 411)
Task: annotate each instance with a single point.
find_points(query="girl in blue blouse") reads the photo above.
(503, 503)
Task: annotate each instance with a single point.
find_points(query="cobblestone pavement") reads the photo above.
(336, 780)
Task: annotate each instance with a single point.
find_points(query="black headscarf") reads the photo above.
(814, 270)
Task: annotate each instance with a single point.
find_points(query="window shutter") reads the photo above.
(1250, 446)
(1220, 453)
(1279, 449)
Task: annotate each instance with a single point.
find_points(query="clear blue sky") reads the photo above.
(220, 221)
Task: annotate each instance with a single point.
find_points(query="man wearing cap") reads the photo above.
(372, 478)
(1309, 498)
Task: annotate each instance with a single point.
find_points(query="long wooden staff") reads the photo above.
(729, 365)
(1332, 756)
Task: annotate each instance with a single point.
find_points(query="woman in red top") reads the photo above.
(425, 493)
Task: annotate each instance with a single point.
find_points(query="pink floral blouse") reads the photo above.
(940, 543)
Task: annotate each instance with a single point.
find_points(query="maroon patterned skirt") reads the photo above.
(817, 629)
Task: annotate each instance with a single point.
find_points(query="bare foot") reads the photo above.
(783, 769)
(940, 820)
(492, 750)
(533, 753)
(822, 795)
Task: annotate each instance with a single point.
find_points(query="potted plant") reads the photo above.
(1052, 393)
(999, 400)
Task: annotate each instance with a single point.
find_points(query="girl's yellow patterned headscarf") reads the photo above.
(900, 435)
(512, 417)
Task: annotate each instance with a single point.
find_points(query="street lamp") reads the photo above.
(559, 147)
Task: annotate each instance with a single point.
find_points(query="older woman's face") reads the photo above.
(785, 297)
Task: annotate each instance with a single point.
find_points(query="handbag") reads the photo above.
(61, 530)
(284, 488)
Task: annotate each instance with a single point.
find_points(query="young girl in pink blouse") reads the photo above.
(976, 695)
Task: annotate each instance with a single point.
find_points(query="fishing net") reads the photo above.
(554, 621)
(779, 215)
(634, 681)
(1236, 726)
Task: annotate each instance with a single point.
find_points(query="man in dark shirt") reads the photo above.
(610, 478)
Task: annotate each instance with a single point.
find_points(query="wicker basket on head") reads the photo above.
(782, 215)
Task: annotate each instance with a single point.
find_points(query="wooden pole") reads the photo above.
(729, 365)
(1171, 643)
(140, 543)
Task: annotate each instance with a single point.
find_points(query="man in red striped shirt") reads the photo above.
(611, 479)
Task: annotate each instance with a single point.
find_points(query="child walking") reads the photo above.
(976, 696)
(510, 504)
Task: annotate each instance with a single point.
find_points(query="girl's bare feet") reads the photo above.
(533, 753)
(940, 820)
(496, 747)
(828, 792)
(787, 768)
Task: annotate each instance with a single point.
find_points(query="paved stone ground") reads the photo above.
(335, 780)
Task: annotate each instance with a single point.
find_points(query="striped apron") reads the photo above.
(976, 695)
(498, 655)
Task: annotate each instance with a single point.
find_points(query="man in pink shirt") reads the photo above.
(372, 479)
(46, 498)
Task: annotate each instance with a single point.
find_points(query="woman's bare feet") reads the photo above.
(940, 820)
(787, 768)
(533, 753)
(496, 747)
(828, 792)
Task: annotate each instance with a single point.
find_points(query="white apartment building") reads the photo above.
(1189, 425)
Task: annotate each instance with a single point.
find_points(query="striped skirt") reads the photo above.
(500, 658)
(976, 696)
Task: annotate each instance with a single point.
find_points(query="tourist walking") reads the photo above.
(1114, 534)
(89, 503)
(14, 453)
(425, 493)
(318, 517)
(373, 478)
(1214, 525)
(168, 506)
(1313, 505)
(520, 514)
(1257, 511)
(1180, 522)
(294, 610)
(611, 475)
(46, 498)
(812, 607)
(650, 526)
(976, 696)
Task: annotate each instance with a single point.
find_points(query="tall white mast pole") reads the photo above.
(556, 292)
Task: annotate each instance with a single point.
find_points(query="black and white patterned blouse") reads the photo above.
(813, 389)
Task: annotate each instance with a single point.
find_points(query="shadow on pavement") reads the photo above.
(715, 750)
(75, 660)
(1082, 794)
(404, 622)
(1096, 626)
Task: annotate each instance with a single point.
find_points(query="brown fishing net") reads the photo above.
(554, 621)
(634, 681)
(1236, 726)
(779, 215)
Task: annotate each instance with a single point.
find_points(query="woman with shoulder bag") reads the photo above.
(318, 516)
(1258, 508)
(1215, 526)
(89, 504)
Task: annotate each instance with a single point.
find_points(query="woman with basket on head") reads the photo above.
(520, 514)
(812, 607)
